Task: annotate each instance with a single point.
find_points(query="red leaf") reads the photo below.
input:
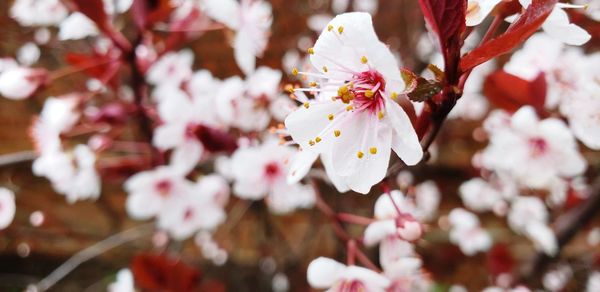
(94, 10)
(447, 19)
(215, 140)
(147, 12)
(510, 92)
(523, 28)
(161, 273)
(500, 260)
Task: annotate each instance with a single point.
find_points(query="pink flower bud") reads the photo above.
(411, 231)
(21, 82)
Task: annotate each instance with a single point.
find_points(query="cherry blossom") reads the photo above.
(529, 216)
(21, 82)
(172, 68)
(402, 265)
(28, 54)
(123, 283)
(558, 278)
(325, 273)
(76, 26)
(7, 207)
(261, 172)
(244, 104)
(38, 12)
(558, 26)
(467, 233)
(480, 195)
(583, 114)
(533, 152)
(477, 10)
(593, 282)
(201, 208)
(355, 120)
(251, 21)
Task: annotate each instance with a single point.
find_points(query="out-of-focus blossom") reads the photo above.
(325, 273)
(7, 207)
(76, 26)
(402, 265)
(116, 6)
(473, 105)
(593, 282)
(467, 233)
(245, 104)
(21, 82)
(480, 195)
(558, 26)
(123, 283)
(201, 208)
(38, 12)
(477, 10)
(171, 69)
(558, 278)
(529, 216)
(534, 152)
(28, 54)
(251, 21)
(358, 80)
(261, 172)
(583, 112)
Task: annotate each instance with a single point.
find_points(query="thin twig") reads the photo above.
(17, 157)
(91, 252)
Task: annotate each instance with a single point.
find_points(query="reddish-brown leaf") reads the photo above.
(162, 273)
(147, 12)
(215, 140)
(527, 24)
(510, 92)
(447, 19)
(94, 10)
(500, 260)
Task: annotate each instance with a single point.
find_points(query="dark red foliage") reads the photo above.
(447, 19)
(510, 92)
(215, 140)
(112, 113)
(94, 10)
(517, 33)
(147, 12)
(500, 260)
(161, 273)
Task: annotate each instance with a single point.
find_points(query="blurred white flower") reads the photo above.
(529, 216)
(21, 82)
(359, 75)
(261, 172)
(251, 20)
(171, 69)
(467, 233)
(325, 273)
(534, 152)
(28, 54)
(477, 10)
(76, 26)
(38, 12)
(593, 282)
(557, 278)
(7, 207)
(123, 283)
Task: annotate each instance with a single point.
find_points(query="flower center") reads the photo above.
(364, 91)
(351, 286)
(163, 187)
(537, 146)
(272, 170)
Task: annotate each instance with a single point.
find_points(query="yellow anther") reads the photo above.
(330, 117)
(359, 154)
(340, 29)
(343, 89)
(364, 60)
(311, 142)
(333, 98)
(369, 93)
(330, 27)
(349, 108)
(295, 71)
(337, 133)
(311, 51)
(325, 69)
(373, 150)
(394, 96)
(312, 84)
(289, 88)
(380, 115)
(306, 105)
(318, 139)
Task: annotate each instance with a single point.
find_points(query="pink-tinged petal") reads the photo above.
(385, 208)
(478, 9)
(176, 107)
(372, 280)
(168, 136)
(300, 165)
(543, 237)
(323, 272)
(411, 231)
(140, 206)
(185, 156)
(7, 207)
(214, 187)
(285, 198)
(378, 231)
(224, 11)
(404, 139)
(557, 25)
(231, 89)
(77, 26)
(243, 52)
(347, 146)
(338, 182)
(250, 190)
